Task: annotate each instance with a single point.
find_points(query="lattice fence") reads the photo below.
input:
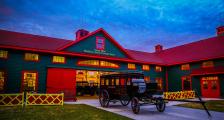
(179, 95)
(11, 99)
(44, 99)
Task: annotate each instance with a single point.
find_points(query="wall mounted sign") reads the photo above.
(101, 52)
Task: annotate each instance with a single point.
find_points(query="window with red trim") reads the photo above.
(29, 81)
(31, 57)
(158, 68)
(131, 66)
(98, 63)
(207, 64)
(186, 83)
(159, 83)
(145, 67)
(147, 79)
(2, 80)
(100, 43)
(185, 67)
(3, 54)
(58, 59)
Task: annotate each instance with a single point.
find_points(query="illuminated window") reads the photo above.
(145, 67)
(58, 59)
(158, 68)
(117, 81)
(3, 54)
(186, 82)
(100, 43)
(2, 80)
(210, 78)
(108, 64)
(107, 82)
(147, 79)
(207, 64)
(102, 81)
(205, 84)
(98, 63)
(89, 62)
(185, 67)
(29, 81)
(31, 57)
(131, 66)
(159, 83)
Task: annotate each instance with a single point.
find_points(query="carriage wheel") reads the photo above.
(125, 99)
(104, 98)
(135, 105)
(160, 105)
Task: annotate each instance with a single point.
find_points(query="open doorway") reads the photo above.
(87, 83)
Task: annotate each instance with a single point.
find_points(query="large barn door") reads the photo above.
(62, 80)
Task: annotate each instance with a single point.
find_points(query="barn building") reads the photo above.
(50, 65)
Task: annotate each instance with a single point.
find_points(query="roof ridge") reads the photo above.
(201, 40)
(140, 51)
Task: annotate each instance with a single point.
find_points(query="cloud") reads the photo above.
(143, 22)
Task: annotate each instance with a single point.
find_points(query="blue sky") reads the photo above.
(135, 24)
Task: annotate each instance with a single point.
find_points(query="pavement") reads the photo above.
(149, 112)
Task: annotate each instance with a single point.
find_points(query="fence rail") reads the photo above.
(179, 95)
(44, 99)
(11, 99)
(31, 99)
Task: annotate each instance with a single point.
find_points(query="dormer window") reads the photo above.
(100, 43)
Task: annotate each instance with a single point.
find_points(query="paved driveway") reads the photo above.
(149, 112)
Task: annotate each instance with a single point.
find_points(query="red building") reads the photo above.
(45, 64)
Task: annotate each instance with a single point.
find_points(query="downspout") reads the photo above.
(166, 79)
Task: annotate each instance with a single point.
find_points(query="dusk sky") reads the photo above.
(135, 24)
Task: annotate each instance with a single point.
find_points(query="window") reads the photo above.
(214, 85)
(131, 66)
(3, 54)
(145, 67)
(98, 63)
(207, 64)
(100, 43)
(102, 81)
(210, 78)
(117, 81)
(31, 57)
(89, 62)
(108, 64)
(159, 83)
(58, 59)
(186, 82)
(205, 84)
(2, 80)
(185, 67)
(29, 81)
(158, 68)
(147, 79)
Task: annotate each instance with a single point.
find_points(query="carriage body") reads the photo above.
(127, 87)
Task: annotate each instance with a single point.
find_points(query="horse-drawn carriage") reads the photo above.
(130, 87)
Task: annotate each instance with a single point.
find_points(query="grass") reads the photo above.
(66, 112)
(215, 105)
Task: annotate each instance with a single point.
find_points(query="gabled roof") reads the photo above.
(210, 48)
(145, 56)
(31, 41)
(93, 33)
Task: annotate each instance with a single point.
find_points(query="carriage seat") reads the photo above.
(140, 83)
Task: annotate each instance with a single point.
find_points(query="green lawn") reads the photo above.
(66, 112)
(215, 105)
